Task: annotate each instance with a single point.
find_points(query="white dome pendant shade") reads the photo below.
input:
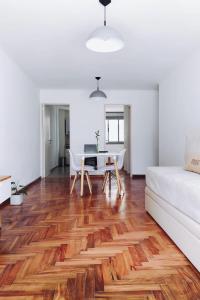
(105, 39)
(98, 94)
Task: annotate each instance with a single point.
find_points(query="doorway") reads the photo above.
(55, 140)
(118, 131)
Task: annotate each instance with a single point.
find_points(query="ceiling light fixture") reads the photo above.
(98, 93)
(105, 39)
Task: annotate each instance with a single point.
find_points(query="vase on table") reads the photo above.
(97, 134)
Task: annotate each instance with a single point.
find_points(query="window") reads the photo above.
(115, 128)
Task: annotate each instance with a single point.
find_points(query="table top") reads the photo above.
(105, 154)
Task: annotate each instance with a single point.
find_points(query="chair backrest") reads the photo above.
(120, 160)
(90, 148)
(74, 166)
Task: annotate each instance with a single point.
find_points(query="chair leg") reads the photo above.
(73, 184)
(82, 177)
(118, 178)
(88, 182)
(121, 187)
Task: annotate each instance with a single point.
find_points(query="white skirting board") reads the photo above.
(188, 242)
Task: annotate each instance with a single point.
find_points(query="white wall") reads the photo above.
(19, 123)
(87, 116)
(114, 147)
(127, 141)
(179, 110)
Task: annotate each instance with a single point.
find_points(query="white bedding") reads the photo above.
(178, 187)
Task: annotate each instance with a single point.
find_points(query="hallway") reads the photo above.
(60, 172)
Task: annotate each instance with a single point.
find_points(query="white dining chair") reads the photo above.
(110, 170)
(77, 168)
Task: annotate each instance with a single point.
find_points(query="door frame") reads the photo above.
(42, 133)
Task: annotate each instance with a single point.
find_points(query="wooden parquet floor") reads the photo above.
(57, 246)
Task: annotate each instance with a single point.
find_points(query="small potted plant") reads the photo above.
(18, 192)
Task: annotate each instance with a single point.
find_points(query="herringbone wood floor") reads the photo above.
(57, 246)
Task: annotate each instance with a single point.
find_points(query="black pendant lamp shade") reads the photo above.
(98, 93)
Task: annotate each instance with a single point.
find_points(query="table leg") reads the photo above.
(82, 176)
(90, 182)
(110, 179)
(105, 181)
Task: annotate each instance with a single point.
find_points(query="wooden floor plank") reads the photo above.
(61, 246)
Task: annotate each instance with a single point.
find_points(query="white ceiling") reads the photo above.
(47, 38)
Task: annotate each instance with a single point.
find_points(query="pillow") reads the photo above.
(192, 153)
(193, 164)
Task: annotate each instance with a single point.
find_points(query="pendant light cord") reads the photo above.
(105, 23)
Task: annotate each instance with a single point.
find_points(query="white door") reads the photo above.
(47, 139)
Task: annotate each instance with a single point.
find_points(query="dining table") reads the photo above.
(109, 155)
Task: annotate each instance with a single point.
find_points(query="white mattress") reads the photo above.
(178, 187)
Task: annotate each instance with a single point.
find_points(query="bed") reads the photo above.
(172, 198)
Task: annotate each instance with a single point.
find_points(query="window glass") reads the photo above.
(121, 130)
(113, 131)
(114, 126)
